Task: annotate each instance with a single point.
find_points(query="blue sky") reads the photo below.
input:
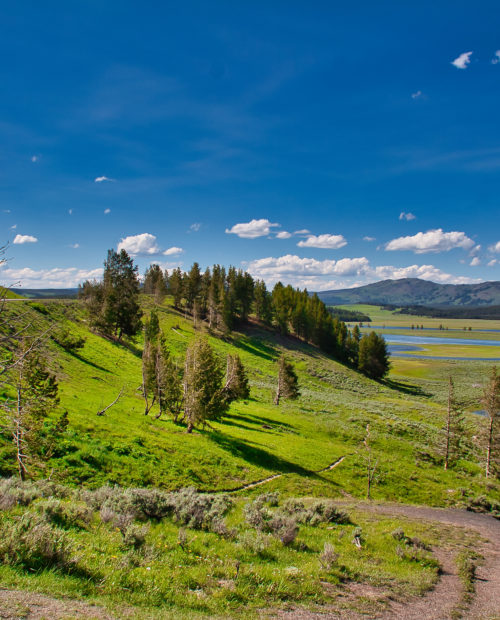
(325, 144)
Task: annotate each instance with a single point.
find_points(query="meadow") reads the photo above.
(164, 562)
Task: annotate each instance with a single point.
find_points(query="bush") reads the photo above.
(68, 341)
(284, 528)
(135, 536)
(197, 510)
(316, 513)
(271, 498)
(33, 544)
(328, 557)
(64, 514)
(256, 542)
(16, 492)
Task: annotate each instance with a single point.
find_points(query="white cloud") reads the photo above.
(252, 229)
(6, 211)
(144, 243)
(369, 239)
(101, 179)
(283, 235)
(475, 262)
(492, 262)
(20, 239)
(416, 95)
(495, 247)
(327, 242)
(496, 58)
(324, 274)
(475, 250)
(35, 158)
(302, 231)
(195, 227)
(173, 251)
(70, 211)
(462, 61)
(13, 227)
(107, 211)
(407, 216)
(48, 278)
(424, 272)
(75, 246)
(431, 241)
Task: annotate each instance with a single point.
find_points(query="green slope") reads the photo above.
(257, 439)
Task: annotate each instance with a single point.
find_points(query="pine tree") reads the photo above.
(36, 396)
(288, 384)
(204, 396)
(167, 382)
(491, 404)
(154, 283)
(455, 428)
(373, 356)
(236, 379)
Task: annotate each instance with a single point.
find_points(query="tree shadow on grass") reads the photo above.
(257, 419)
(256, 348)
(405, 388)
(249, 452)
(86, 361)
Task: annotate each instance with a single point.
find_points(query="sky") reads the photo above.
(323, 144)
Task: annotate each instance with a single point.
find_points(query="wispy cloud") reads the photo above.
(495, 247)
(20, 239)
(75, 246)
(49, 278)
(431, 241)
(462, 61)
(417, 95)
(326, 242)
(173, 251)
(496, 58)
(283, 235)
(475, 262)
(407, 216)
(107, 211)
(252, 229)
(492, 262)
(145, 243)
(101, 179)
(369, 239)
(195, 227)
(35, 158)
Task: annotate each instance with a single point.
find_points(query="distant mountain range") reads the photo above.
(47, 293)
(412, 291)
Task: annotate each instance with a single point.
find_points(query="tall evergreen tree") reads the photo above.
(204, 396)
(288, 383)
(154, 283)
(454, 429)
(373, 356)
(236, 379)
(120, 313)
(491, 404)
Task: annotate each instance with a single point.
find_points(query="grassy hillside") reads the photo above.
(257, 439)
(146, 554)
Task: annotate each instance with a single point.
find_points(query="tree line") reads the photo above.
(225, 299)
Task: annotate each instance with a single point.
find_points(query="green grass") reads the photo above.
(381, 316)
(255, 440)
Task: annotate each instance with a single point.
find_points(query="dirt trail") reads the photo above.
(16, 604)
(439, 602)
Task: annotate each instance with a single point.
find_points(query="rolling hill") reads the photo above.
(413, 291)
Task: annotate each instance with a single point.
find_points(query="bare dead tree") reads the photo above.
(103, 411)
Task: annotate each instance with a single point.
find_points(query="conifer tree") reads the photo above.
(236, 379)
(455, 428)
(491, 404)
(204, 396)
(373, 356)
(168, 383)
(288, 383)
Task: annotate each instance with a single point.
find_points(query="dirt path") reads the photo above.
(16, 604)
(439, 602)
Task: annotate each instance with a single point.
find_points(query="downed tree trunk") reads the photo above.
(103, 411)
